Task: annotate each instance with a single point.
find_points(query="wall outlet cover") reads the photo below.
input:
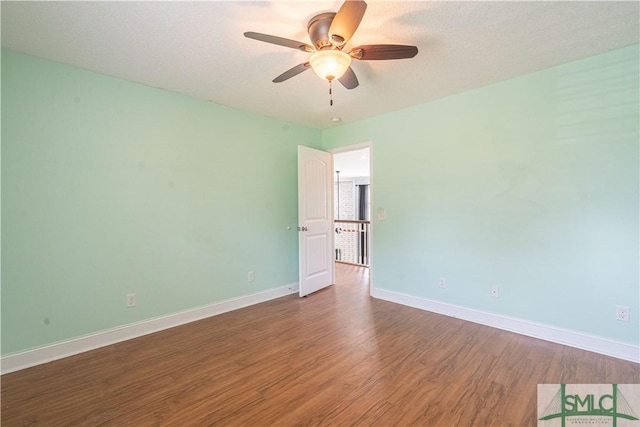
(622, 313)
(495, 291)
(131, 300)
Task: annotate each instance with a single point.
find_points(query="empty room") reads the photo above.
(179, 190)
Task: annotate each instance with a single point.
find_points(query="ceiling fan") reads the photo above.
(329, 33)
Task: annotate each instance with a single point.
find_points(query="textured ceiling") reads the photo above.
(198, 48)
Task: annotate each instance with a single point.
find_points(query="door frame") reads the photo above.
(346, 149)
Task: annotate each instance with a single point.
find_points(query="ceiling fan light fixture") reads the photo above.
(330, 64)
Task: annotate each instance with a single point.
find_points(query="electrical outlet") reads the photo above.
(443, 282)
(622, 313)
(131, 300)
(495, 291)
(251, 277)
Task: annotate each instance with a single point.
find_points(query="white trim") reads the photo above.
(37, 356)
(524, 327)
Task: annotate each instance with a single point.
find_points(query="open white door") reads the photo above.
(315, 219)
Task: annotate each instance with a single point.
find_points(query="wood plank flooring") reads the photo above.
(337, 357)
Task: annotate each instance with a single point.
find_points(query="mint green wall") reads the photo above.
(531, 184)
(110, 187)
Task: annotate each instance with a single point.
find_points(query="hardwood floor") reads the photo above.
(337, 357)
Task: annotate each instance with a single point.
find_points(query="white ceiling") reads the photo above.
(198, 48)
(352, 164)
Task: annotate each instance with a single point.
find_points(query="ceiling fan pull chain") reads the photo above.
(330, 95)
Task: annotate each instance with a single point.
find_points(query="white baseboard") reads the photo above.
(537, 330)
(25, 359)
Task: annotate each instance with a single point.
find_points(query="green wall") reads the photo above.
(531, 184)
(110, 187)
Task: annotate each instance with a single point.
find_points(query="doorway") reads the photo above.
(352, 207)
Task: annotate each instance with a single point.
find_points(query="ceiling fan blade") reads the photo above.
(346, 21)
(292, 72)
(375, 52)
(349, 79)
(280, 41)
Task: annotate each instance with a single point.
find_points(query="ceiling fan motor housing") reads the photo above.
(318, 29)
